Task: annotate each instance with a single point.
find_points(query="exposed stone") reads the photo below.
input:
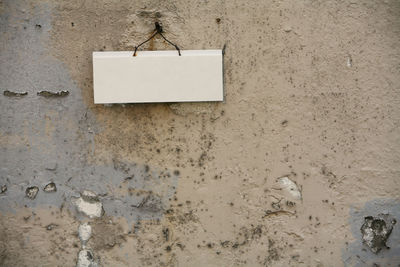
(376, 230)
(85, 231)
(10, 93)
(51, 187)
(86, 259)
(53, 94)
(3, 189)
(51, 226)
(89, 196)
(289, 187)
(89, 204)
(31, 192)
(349, 62)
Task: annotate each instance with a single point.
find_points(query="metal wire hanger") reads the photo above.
(157, 30)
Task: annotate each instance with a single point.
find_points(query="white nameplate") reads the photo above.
(158, 76)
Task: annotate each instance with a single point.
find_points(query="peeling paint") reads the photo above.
(51, 187)
(376, 230)
(53, 94)
(3, 189)
(89, 204)
(85, 232)
(86, 259)
(31, 192)
(17, 94)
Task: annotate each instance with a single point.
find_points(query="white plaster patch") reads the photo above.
(289, 187)
(85, 259)
(89, 205)
(85, 231)
(349, 62)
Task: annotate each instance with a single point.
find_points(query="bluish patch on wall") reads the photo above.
(358, 254)
(49, 139)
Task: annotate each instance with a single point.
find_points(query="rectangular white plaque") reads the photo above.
(158, 76)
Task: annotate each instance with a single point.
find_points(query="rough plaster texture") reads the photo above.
(312, 94)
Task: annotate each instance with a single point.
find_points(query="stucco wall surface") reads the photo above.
(284, 172)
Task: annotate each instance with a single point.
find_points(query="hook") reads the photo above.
(158, 30)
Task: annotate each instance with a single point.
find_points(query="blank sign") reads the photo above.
(158, 76)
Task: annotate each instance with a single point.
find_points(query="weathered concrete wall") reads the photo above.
(312, 94)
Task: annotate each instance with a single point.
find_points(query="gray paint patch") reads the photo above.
(357, 253)
(50, 138)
